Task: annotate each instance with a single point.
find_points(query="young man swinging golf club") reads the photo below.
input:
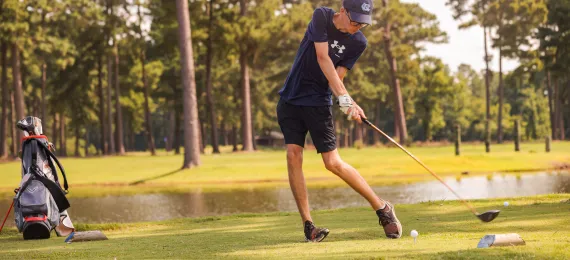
(331, 45)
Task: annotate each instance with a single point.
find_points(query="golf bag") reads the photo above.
(40, 204)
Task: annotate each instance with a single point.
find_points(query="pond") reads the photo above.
(152, 207)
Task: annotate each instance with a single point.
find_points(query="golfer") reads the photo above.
(332, 44)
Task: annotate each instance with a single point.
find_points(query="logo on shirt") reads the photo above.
(339, 47)
(365, 7)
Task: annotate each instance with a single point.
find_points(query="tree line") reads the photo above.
(112, 76)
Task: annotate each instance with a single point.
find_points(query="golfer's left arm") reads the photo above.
(341, 71)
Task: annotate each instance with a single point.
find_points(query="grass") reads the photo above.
(99, 176)
(447, 231)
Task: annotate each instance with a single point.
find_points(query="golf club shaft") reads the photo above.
(422, 164)
(5, 218)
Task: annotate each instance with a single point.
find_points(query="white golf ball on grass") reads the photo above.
(414, 234)
(506, 203)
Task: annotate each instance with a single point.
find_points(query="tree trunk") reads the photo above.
(190, 106)
(358, 136)
(501, 94)
(487, 97)
(550, 105)
(103, 127)
(86, 147)
(18, 92)
(43, 108)
(62, 137)
(209, 97)
(171, 130)
(176, 120)
(376, 135)
(457, 139)
(12, 124)
(118, 111)
(27, 99)
(178, 136)
(126, 129)
(253, 134)
(246, 95)
(350, 134)
(43, 94)
(132, 140)
(346, 130)
(202, 136)
(36, 105)
(111, 140)
(556, 111)
(223, 133)
(399, 115)
(234, 138)
(54, 132)
(5, 101)
(148, 123)
(177, 130)
(246, 105)
(427, 126)
(561, 128)
(77, 135)
(517, 135)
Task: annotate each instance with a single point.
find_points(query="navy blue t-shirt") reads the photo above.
(306, 84)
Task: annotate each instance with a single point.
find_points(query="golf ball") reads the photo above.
(506, 203)
(414, 233)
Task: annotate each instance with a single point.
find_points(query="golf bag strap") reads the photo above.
(52, 156)
(34, 145)
(28, 161)
(49, 154)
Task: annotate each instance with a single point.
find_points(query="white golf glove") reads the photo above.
(345, 102)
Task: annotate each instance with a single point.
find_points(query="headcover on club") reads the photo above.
(489, 215)
(31, 125)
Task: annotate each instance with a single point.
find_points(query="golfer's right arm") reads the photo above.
(327, 66)
(335, 81)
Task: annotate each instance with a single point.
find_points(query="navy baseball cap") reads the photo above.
(360, 10)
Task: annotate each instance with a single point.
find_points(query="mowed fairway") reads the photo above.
(446, 231)
(380, 166)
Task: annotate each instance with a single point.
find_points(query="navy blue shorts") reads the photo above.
(295, 121)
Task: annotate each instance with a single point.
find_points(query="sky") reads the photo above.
(464, 46)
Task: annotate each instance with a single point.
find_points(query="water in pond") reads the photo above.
(152, 207)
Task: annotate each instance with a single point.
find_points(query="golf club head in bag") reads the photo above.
(30, 125)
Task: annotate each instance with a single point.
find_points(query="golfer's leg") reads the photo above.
(294, 130)
(297, 180)
(335, 164)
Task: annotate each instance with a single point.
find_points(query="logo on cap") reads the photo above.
(366, 7)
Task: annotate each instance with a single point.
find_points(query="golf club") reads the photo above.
(485, 216)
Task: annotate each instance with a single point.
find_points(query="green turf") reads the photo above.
(99, 176)
(447, 231)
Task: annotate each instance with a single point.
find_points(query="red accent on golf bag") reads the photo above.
(32, 219)
(34, 137)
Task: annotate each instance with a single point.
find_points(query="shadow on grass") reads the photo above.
(142, 181)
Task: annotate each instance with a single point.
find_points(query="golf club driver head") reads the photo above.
(489, 215)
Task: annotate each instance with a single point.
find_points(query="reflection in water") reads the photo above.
(152, 207)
